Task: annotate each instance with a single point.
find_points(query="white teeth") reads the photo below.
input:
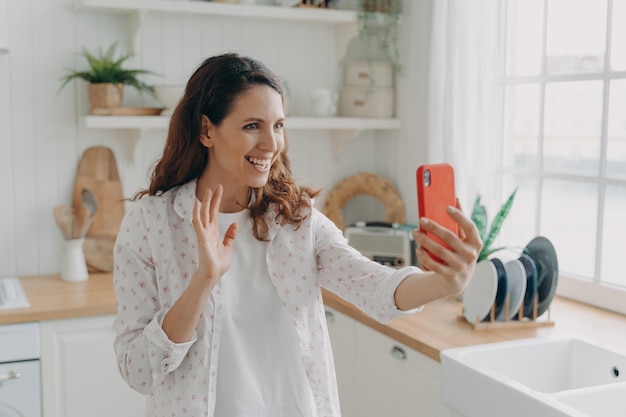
(261, 163)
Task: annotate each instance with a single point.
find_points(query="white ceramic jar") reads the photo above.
(367, 102)
(369, 73)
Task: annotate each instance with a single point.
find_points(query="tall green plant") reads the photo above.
(105, 68)
(480, 219)
(378, 28)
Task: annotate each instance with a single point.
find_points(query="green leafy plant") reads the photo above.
(378, 22)
(105, 68)
(480, 219)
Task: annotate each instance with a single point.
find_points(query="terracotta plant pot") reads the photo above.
(105, 95)
(377, 6)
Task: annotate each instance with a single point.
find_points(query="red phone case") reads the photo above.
(435, 195)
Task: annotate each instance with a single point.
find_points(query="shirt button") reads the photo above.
(165, 365)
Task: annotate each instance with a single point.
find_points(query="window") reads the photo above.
(564, 139)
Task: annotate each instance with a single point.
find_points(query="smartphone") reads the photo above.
(435, 192)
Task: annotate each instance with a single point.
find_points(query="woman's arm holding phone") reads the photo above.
(445, 278)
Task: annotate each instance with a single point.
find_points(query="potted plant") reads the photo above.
(378, 22)
(106, 78)
(480, 219)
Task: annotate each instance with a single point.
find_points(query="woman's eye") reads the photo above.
(279, 126)
(252, 126)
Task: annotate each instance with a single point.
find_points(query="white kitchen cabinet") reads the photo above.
(342, 331)
(379, 377)
(393, 380)
(79, 371)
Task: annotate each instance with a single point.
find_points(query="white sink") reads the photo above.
(539, 376)
(601, 401)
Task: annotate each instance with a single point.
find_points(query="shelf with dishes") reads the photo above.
(344, 21)
(331, 17)
(343, 129)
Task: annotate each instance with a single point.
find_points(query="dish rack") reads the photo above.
(521, 322)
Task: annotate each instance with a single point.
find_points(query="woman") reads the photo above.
(219, 264)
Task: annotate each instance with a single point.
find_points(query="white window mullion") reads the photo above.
(603, 143)
(542, 100)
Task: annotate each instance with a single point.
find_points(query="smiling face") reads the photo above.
(244, 146)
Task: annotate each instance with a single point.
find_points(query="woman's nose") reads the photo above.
(269, 140)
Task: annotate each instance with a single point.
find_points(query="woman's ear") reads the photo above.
(205, 135)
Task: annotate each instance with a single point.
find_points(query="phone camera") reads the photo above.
(427, 177)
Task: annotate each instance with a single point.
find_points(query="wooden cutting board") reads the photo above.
(97, 171)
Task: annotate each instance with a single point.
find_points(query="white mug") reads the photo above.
(324, 102)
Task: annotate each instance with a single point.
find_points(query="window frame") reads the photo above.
(594, 292)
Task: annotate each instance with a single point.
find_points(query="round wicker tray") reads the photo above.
(367, 184)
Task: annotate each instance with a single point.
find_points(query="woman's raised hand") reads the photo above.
(214, 255)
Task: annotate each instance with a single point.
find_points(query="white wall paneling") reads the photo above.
(42, 137)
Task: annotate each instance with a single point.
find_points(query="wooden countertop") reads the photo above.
(51, 298)
(429, 332)
(437, 327)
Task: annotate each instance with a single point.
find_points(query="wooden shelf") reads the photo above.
(293, 123)
(319, 16)
(344, 129)
(344, 22)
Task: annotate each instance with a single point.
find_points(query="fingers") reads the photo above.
(467, 229)
(206, 201)
(230, 235)
(210, 206)
(467, 245)
(196, 220)
(428, 263)
(216, 201)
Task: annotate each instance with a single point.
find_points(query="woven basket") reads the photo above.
(105, 95)
(366, 184)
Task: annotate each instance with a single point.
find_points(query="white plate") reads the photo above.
(516, 276)
(480, 292)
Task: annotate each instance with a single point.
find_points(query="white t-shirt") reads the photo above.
(260, 370)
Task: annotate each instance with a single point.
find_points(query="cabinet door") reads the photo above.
(393, 380)
(79, 371)
(341, 329)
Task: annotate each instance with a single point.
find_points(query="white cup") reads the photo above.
(74, 266)
(324, 102)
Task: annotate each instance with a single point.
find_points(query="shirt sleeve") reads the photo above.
(144, 353)
(343, 270)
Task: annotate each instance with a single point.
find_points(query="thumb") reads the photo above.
(230, 235)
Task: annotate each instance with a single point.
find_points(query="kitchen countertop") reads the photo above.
(51, 298)
(434, 329)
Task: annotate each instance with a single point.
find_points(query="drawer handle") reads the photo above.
(330, 316)
(13, 374)
(398, 353)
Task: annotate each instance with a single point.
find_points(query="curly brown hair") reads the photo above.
(211, 91)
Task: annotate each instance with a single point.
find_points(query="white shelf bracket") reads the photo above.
(340, 138)
(135, 20)
(4, 27)
(134, 140)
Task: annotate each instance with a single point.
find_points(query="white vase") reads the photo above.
(74, 267)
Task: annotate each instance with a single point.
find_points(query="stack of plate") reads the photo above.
(533, 275)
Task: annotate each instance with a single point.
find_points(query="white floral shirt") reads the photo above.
(155, 257)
